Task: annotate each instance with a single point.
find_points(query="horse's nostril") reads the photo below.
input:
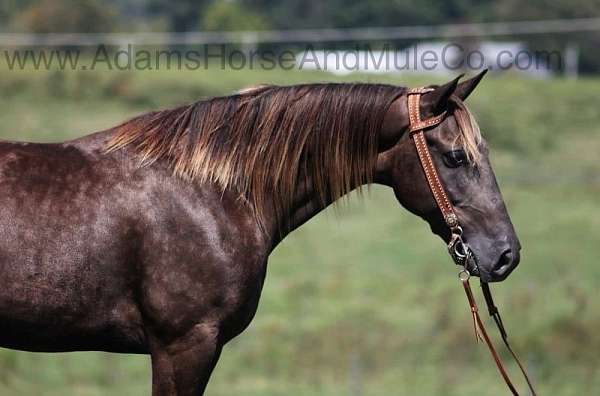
(507, 262)
(505, 259)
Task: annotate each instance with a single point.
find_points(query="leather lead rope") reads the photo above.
(481, 332)
(458, 249)
(495, 314)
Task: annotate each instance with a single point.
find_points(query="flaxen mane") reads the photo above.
(259, 141)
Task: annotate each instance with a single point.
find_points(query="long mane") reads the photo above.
(259, 141)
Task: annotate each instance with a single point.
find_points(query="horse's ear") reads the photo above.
(465, 88)
(436, 101)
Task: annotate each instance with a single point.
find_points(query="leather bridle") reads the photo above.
(458, 249)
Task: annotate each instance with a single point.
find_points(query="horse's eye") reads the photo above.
(455, 158)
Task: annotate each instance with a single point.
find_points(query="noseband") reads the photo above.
(460, 251)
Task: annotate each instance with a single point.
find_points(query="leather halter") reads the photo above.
(417, 128)
(458, 249)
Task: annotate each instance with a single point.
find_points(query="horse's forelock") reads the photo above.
(470, 134)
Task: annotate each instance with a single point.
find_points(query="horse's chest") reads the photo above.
(243, 302)
(203, 285)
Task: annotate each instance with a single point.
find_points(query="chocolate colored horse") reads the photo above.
(153, 237)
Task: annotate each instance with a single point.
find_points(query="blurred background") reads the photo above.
(362, 300)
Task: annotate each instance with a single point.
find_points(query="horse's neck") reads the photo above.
(306, 206)
(306, 203)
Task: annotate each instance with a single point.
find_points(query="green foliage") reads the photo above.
(43, 16)
(366, 302)
(338, 13)
(182, 15)
(9, 10)
(543, 9)
(230, 16)
(66, 16)
(515, 10)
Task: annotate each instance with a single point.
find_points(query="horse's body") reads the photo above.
(98, 253)
(95, 250)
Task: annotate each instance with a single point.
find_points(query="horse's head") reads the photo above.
(461, 158)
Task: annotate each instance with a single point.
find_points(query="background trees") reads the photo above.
(91, 16)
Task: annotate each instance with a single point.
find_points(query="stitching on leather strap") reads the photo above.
(416, 128)
(430, 172)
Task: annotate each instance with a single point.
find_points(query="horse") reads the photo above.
(153, 237)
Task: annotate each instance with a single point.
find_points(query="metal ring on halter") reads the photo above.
(464, 275)
(460, 249)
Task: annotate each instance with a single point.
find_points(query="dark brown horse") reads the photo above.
(153, 237)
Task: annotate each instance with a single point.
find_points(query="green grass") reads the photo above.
(366, 302)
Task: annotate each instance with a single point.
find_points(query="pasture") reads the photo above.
(363, 300)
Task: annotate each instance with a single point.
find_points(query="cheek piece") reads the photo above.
(460, 251)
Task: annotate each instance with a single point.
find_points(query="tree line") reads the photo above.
(90, 16)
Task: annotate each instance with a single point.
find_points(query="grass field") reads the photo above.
(365, 302)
